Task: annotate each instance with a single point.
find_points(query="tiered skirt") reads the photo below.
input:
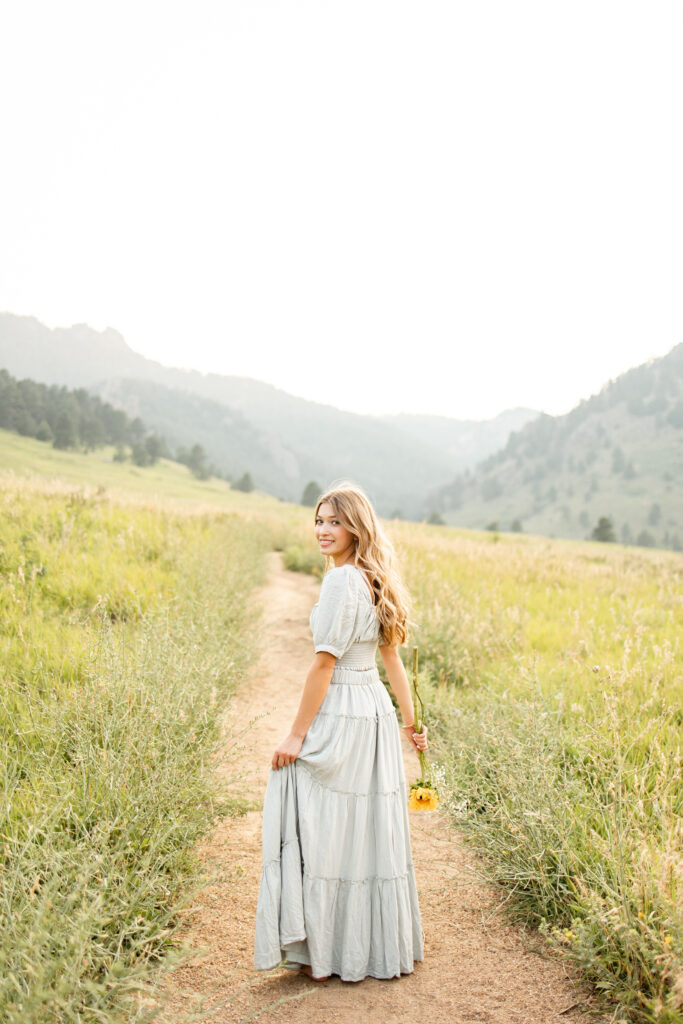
(338, 886)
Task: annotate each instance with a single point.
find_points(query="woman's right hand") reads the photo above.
(287, 751)
(417, 739)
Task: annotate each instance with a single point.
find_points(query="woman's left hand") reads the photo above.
(287, 751)
(418, 739)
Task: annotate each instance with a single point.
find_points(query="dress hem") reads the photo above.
(293, 958)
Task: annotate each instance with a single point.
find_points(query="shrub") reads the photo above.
(298, 558)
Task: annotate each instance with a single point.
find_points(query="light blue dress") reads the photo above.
(338, 886)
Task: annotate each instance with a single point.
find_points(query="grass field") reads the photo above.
(27, 458)
(124, 629)
(554, 672)
(557, 674)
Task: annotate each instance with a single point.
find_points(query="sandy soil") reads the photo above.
(477, 967)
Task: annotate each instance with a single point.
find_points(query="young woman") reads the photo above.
(338, 892)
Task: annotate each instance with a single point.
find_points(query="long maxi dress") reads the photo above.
(338, 885)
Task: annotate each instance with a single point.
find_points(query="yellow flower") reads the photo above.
(668, 940)
(422, 798)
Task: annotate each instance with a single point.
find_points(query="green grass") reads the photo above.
(124, 630)
(26, 458)
(554, 671)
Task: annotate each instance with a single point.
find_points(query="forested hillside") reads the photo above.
(617, 456)
(74, 419)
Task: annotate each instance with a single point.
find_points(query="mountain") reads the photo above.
(464, 442)
(285, 441)
(233, 445)
(619, 454)
(247, 425)
(75, 356)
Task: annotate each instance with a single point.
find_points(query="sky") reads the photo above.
(439, 207)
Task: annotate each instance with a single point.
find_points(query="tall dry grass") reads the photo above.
(556, 674)
(125, 629)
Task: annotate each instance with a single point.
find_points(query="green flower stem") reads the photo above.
(418, 707)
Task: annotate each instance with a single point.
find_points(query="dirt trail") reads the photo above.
(477, 968)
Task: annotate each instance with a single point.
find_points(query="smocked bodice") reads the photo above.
(360, 655)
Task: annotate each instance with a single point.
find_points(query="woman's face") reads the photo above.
(333, 538)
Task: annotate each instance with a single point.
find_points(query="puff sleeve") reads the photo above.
(335, 623)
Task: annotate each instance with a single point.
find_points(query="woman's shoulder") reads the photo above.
(343, 579)
(347, 579)
(347, 573)
(340, 577)
(338, 590)
(348, 568)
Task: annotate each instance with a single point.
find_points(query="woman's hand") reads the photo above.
(287, 751)
(417, 739)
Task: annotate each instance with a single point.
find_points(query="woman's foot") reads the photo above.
(308, 971)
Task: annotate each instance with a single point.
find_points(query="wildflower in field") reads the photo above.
(423, 798)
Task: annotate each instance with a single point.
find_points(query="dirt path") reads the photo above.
(477, 968)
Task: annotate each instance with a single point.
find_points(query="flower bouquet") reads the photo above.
(423, 795)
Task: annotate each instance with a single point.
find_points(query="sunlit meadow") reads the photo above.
(552, 673)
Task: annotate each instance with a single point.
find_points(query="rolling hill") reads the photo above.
(619, 454)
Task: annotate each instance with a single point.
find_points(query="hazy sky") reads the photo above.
(449, 207)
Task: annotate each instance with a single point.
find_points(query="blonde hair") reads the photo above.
(374, 553)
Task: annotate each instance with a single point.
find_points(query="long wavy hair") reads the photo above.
(374, 554)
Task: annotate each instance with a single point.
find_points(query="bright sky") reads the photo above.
(449, 207)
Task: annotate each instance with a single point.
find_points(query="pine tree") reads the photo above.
(197, 463)
(245, 483)
(44, 431)
(311, 494)
(604, 530)
(65, 431)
